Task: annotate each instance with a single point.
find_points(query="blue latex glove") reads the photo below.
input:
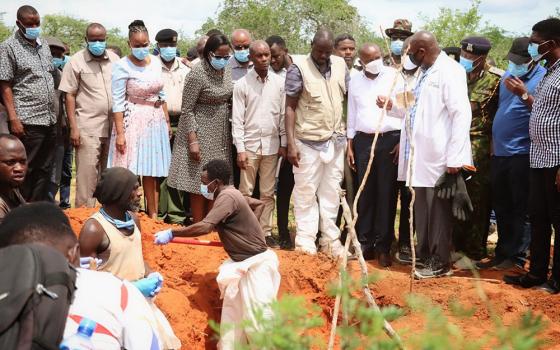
(159, 277)
(86, 261)
(163, 237)
(147, 286)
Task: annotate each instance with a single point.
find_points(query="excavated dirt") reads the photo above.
(190, 297)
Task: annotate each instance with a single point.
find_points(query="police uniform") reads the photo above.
(470, 237)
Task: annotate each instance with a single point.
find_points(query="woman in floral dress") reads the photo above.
(140, 136)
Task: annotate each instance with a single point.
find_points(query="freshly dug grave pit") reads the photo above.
(190, 297)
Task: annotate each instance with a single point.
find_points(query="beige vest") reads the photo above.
(125, 252)
(319, 109)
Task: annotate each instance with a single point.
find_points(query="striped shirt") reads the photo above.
(544, 124)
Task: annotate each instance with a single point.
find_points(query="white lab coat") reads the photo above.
(440, 134)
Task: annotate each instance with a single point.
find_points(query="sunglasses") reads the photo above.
(220, 57)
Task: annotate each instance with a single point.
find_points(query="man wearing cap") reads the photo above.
(86, 80)
(62, 144)
(483, 83)
(171, 201)
(510, 159)
(402, 29)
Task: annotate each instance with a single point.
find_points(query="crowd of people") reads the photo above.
(239, 128)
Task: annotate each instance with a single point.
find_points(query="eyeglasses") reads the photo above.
(220, 57)
(241, 47)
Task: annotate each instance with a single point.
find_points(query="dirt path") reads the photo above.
(190, 296)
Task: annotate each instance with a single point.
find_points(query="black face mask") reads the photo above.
(415, 59)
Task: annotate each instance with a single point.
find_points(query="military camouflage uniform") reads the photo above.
(470, 237)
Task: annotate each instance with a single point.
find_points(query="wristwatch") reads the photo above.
(524, 97)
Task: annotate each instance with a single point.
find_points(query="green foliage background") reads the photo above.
(296, 21)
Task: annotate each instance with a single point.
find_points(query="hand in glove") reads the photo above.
(147, 286)
(85, 262)
(163, 237)
(159, 277)
(446, 186)
(461, 205)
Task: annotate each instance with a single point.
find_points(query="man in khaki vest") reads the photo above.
(315, 88)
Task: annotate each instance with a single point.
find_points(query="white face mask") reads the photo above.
(374, 67)
(407, 63)
(205, 192)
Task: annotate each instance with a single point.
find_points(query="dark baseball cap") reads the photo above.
(518, 53)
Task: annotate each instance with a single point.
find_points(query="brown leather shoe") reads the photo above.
(384, 259)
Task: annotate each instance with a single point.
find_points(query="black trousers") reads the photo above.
(404, 223)
(510, 192)
(544, 213)
(40, 146)
(377, 206)
(283, 195)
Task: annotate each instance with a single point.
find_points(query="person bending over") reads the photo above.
(250, 278)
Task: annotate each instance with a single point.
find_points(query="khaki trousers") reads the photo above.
(91, 160)
(266, 168)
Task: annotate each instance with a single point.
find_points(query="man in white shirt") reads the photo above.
(439, 143)
(258, 129)
(124, 318)
(378, 202)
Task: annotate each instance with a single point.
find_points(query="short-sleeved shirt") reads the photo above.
(510, 129)
(89, 78)
(29, 70)
(173, 84)
(237, 225)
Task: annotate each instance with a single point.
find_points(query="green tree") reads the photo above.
(450, 26)
(5, 31)
(72, 31)
(295, 20)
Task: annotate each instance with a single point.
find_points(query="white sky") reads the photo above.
(516, 16)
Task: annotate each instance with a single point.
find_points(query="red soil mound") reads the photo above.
(190, 296)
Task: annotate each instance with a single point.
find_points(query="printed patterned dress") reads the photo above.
(205, 110)
(134, 90)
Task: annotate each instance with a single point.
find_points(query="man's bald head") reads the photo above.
(423, 49)
(424, 40)
(369, 49)
(323, 35)
(257, 46)
(240, 35)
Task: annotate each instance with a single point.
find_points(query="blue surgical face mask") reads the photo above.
(533, 50)
(32, 33)
(204, 191)
(140, 52)
(467, 64)
(97, 48)
(58, 62)
(242, 55)
(218, 63)
(168, 54)
(396, 47)
(518, 70)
